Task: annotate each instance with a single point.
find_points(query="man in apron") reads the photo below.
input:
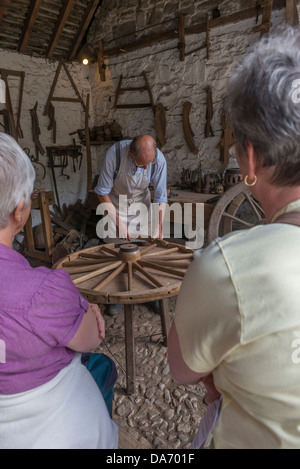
(127, 170)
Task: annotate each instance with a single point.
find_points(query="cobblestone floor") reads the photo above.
(160, 414)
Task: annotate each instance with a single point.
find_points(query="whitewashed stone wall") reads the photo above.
(172, 82)
(39, 76)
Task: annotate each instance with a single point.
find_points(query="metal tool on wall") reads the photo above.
(208, 131)
(35, 161)
(36, 131)
(63, 153)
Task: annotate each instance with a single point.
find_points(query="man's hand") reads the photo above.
(122, 228)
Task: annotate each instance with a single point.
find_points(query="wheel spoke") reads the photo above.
(161, 268)
(238, 220)
(253, 206)
(110, 277)
(166, 252)
(147, 275)
(103, 270)
(129, 265)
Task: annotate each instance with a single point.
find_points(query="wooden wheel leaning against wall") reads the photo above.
(235, 210)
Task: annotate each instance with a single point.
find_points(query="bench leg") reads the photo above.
(129, 347)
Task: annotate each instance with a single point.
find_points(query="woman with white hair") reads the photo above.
(48, 398)
(237, 320)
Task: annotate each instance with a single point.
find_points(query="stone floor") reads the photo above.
(160, 414)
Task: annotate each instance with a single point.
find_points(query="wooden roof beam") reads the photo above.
(59, 26)
(93, 4)
(29, 23)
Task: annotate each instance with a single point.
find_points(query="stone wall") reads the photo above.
(39, 76)
(173, 82)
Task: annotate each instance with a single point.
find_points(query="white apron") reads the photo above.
(136, 211)
(68, 412)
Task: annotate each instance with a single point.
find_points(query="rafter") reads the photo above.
(29, 23)
(60, 26)
(83, 27)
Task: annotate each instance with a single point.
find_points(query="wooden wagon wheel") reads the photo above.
(236, 209)
(129, 274)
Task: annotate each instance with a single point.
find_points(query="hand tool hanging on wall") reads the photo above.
(145, 87)
(182, 45)
(36, 132)
(49, 108)
(35, 161)
(52, 123)
(15, 128)
(187, 130)
(209, 113)
(160, 125)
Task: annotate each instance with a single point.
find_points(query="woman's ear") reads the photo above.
(18, 211)
(252, 161)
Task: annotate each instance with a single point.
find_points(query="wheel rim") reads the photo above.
(227, 215)
(128, 274)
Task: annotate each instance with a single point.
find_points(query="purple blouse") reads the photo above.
(40, 312)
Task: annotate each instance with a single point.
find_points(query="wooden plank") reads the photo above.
(196, 29)
(46, 223)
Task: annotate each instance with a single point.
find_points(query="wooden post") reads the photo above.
(165, 320)
(88, 147)
(292, 17)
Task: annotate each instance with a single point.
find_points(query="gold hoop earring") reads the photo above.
(248, 183)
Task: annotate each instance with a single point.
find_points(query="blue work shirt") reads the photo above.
(156, 174)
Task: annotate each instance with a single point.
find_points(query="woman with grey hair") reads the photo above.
(237, 321)
(48, 398)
